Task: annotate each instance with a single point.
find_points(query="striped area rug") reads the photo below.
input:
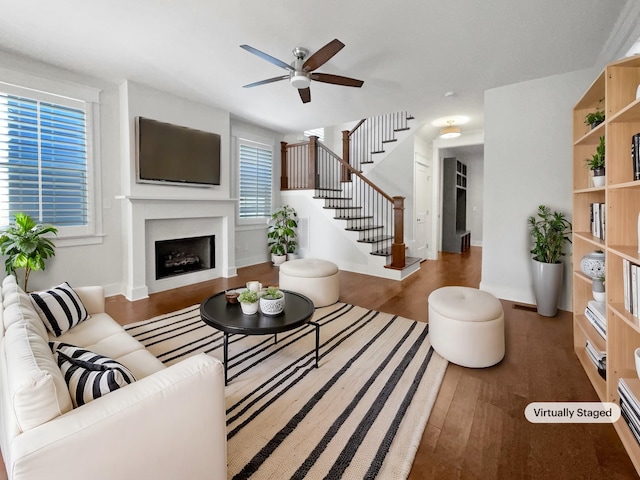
(361, 414)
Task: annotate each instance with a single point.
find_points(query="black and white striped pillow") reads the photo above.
(59, 308)
(89, 375)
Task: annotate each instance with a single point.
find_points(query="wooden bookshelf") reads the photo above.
(615, 91)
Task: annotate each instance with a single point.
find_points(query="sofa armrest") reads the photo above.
(168, 425)
(92, 297)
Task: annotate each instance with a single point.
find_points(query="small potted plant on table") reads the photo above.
(248, 302)
(272, 302)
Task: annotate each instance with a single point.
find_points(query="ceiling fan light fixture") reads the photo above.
(300, 79)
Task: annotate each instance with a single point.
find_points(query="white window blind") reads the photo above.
(255, 179)
(43, 160)
(317, 132)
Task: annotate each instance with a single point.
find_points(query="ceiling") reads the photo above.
(408, 53)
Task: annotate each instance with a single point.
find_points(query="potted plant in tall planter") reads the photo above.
(550, 232)
(596, 164)
(282, 234)
(25, 246)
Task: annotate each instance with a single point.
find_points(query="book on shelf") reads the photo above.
(631, 287)
(629, 391)
(597, 316)
(598, 358)
(597, 219)
(635, 155)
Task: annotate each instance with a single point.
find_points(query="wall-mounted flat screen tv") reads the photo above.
(168, 153)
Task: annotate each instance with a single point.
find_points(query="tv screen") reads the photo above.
(175, 154)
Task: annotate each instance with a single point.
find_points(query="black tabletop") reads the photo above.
(228, 317)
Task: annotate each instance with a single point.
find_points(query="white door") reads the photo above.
(423, 186)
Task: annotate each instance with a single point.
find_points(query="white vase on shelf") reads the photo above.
(598, 180)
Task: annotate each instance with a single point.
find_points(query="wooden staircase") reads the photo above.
(372, 219)
(367, 140)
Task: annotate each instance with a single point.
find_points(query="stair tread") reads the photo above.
(363, 229)
(377, 151)
(354, 218)
(378, 239)
(401, 129)
(328, 190)
(342, 208)
(366, 161)
(385, 252)
(389, 141)
(333, 198)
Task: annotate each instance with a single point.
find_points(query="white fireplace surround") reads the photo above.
(150, 219)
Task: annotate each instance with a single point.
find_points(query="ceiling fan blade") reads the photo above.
(336, 79)
(268, 80)
(305, 94)
(323, 55)
(268, 58)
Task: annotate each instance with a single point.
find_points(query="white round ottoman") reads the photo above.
(312, 277)
(466, 326)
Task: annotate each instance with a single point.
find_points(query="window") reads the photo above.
(44, 159)
(317, 132)
(255, 179)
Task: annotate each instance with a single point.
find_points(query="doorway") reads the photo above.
(423, 208)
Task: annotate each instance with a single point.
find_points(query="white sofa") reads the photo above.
(168, 424)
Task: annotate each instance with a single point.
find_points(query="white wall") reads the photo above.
(527, 162)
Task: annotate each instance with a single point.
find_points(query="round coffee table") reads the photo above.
(228, 318)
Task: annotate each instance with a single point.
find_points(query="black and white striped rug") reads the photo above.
(361, 414)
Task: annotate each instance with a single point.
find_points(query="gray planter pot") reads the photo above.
(547, 285)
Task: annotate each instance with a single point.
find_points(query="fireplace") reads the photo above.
(184, 255)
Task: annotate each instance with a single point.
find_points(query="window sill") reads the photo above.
(63, 242)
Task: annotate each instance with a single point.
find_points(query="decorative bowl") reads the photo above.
(231, 296)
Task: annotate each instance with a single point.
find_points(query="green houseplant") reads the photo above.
(596, 164)
(248, 302)
(272, 301)
(25, 246)
(550, 232)
(595, 118)
(282, 233)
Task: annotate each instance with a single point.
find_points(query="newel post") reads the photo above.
(345, 175)
(313, 162)
(284, 179)
(398, 247)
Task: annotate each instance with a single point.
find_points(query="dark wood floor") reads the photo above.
(477, 428)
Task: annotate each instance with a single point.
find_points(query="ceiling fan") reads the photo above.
(301, 70)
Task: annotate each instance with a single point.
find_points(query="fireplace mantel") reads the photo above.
(140, 211)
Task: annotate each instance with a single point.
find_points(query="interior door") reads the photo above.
(423, 185)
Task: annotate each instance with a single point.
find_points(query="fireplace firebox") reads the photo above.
(184, 255)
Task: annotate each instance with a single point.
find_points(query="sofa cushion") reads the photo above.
(21, 309)
(59, 308)
(89, 375)
(34, 381)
